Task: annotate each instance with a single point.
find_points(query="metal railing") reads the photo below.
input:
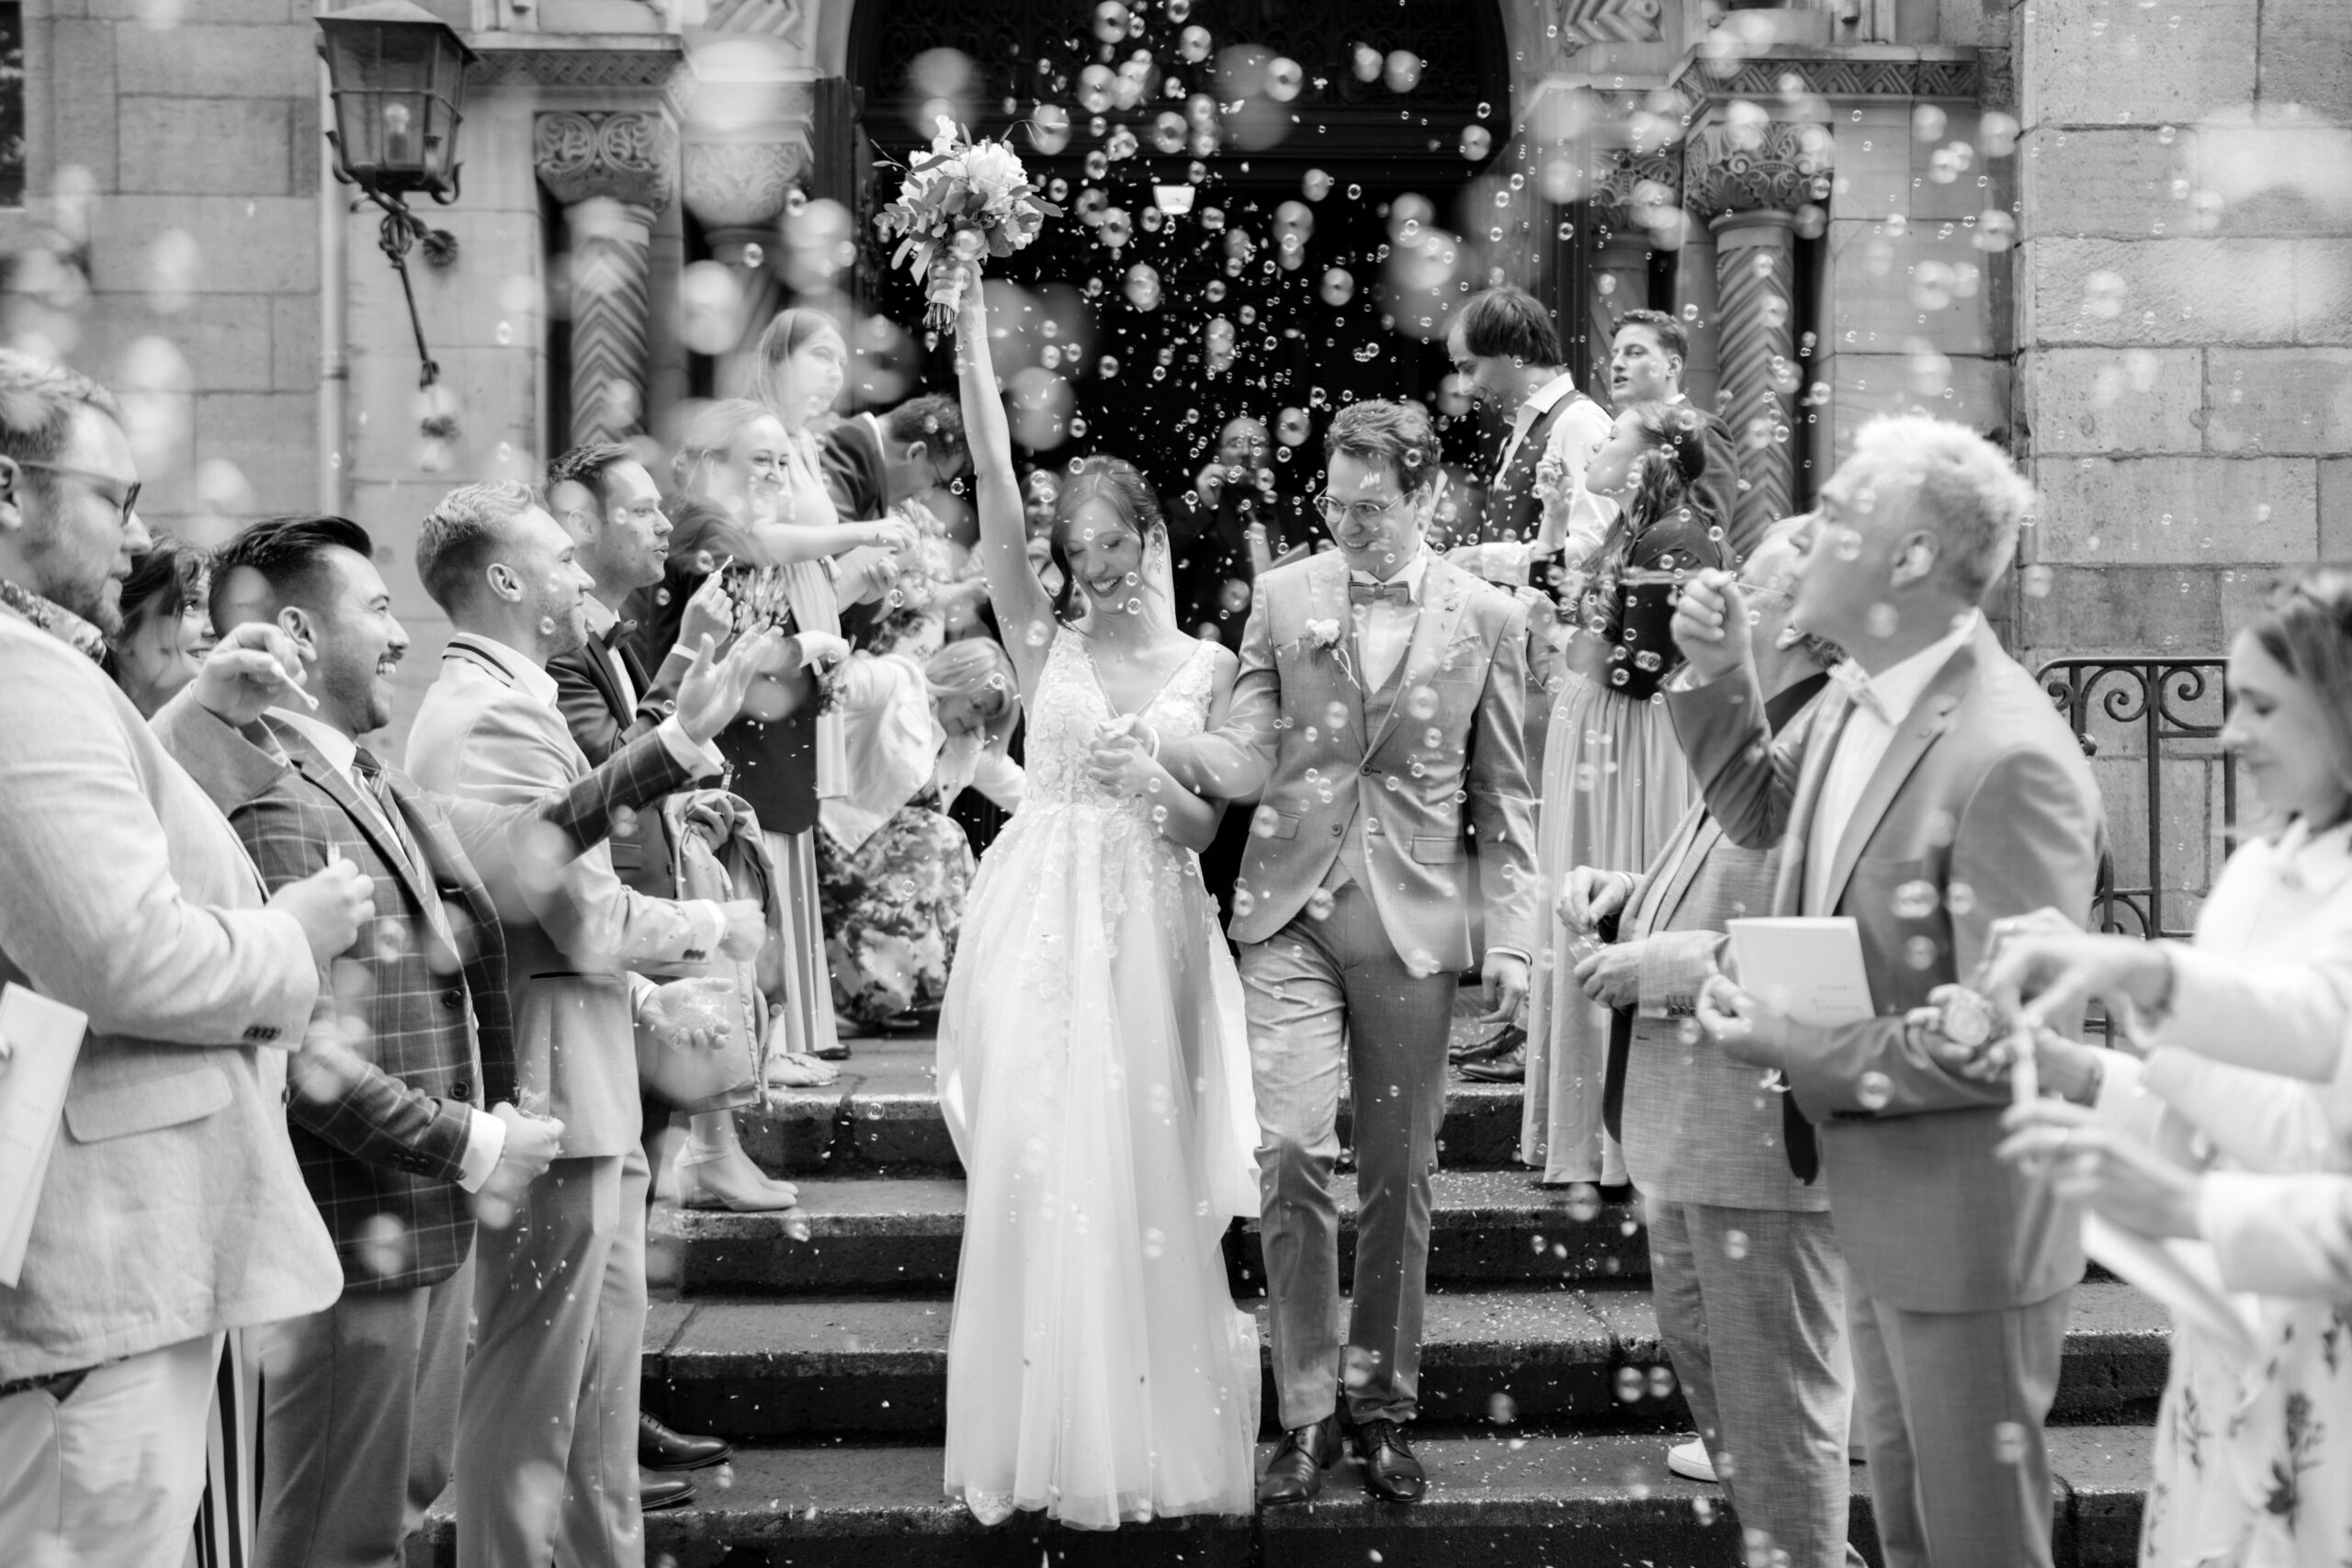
(2174, 709)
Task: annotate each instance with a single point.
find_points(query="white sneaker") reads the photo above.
(1691, 1459)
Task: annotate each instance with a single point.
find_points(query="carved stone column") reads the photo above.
(614, 172)
(1629, 201)
(1744, 180)
(739, 189)
(1757, 271)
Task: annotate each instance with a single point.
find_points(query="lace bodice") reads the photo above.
(1069, 708)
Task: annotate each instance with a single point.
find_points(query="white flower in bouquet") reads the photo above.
(973, 197)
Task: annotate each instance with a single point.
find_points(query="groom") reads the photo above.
(1377, 715)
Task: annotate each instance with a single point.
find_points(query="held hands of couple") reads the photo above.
(1711, 626)
(1126, 760)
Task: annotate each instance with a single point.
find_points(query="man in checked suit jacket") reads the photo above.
(548, 1428)
(398, 1132)
(1743, 1264)
(1944, 794)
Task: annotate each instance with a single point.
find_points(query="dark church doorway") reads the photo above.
(1319, 152)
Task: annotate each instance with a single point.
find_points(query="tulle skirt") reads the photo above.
(1615, 787)
(1094, 1069)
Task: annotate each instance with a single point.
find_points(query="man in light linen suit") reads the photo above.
(1743, 1263)
(173, 1209)
(1378, 711)
(1936, 796)
(547, 1423)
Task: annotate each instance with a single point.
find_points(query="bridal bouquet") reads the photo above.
(973, 197)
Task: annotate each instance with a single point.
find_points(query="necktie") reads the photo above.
(371, 770)
(1864, 696)
(1397, 591)
(614, 633)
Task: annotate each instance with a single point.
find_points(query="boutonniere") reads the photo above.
(1325, 635)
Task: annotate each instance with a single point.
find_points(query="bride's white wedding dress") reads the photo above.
(1093, 1068)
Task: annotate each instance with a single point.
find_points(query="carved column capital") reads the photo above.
(624, 156)
(1631, 187)
(1740, 166)
(743, 185)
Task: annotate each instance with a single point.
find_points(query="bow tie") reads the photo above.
(1397, 591)
(614, 633)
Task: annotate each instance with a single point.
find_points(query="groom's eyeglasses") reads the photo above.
(1361, 512)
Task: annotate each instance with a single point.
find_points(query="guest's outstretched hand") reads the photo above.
(1711, 626)
(2102, 1167)
(712, 693)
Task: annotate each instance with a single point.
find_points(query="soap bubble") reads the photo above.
(1476, 143)
(1339, 286)
(1143, 288)
(1401, 72)
(1873, 1092)
(1316, 185)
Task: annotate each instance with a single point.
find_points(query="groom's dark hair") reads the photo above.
(1398, 434)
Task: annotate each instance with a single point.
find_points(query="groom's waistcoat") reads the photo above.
(1419, 788)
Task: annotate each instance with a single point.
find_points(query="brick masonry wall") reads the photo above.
(2184, 330)
(194, 124)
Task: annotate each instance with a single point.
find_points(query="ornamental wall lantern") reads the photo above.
(397, 74)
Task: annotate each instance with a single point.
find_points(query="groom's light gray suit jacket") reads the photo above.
(1407, 784)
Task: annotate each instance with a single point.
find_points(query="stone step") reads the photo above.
(1495, 1501)
(902, 1235)
(883, 1118)
(858, 1366)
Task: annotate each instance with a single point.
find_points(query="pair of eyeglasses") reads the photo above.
(1358, 512)
(101, 485)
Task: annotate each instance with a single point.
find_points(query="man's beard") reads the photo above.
(355, 692)
(98, 603)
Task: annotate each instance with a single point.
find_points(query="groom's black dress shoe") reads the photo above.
(658, 1447)
(1296, 1472)
(1390, 1470)
(655, 1492)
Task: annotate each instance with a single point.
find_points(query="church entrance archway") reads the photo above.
(1264, 207)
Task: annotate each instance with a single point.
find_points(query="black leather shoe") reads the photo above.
(655, 1492)
(1296, 1472)
(1390, 1470)
(1508, 1067)
(658, 1447)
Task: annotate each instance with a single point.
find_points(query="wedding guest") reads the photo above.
(403, 1108)
(608, 503)
(1227, 530)
(892, 864)
(166, 630)
(1509, 354)
(882, 464)
(1942, 795)
(1646, 360)
(173, 1209)
(1742, 1267)
(1616, 785)
(2244, 1070)
(548, 1428)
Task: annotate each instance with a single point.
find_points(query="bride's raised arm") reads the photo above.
(1022, 609)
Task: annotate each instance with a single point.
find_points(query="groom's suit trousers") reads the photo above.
(1329, 999)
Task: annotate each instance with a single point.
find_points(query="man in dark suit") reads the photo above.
(1937, 794)
(876, 462)
(1646, 360)
(402, 1110)
(1743, 1263)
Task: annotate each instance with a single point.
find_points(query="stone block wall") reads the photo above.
(185, 135)
(2183, 379)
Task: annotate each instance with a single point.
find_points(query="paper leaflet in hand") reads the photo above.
(39, 1042)
(1810, 966)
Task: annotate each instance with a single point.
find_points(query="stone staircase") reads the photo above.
(1547, 1403)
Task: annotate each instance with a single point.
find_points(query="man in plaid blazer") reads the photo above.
(412, 1040)
(1743, 1263)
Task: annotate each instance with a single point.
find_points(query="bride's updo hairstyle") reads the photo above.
(2306, 628)
(1118, 484)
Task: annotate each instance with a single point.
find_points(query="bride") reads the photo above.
(1093, 1064)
